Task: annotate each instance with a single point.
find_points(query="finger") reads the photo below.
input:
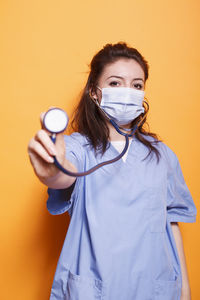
(36, 148)
(42, 115)
(43, 137)
(42, 118)
(41, 168)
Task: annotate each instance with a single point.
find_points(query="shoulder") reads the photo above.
(165, 151)
(77, 143)
(76, 138)
(167, 154)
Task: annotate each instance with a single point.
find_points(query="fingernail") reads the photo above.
(53, 151)
(50, 159)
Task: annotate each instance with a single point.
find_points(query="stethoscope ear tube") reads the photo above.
(133, 130)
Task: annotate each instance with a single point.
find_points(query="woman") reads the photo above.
(123, 241)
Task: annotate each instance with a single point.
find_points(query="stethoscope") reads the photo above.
(56, 120)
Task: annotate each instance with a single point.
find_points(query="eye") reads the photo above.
(114, 83)
(138, 86)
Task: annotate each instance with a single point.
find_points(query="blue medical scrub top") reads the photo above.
(119, 244)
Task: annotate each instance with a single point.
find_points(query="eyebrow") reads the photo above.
(123, 78)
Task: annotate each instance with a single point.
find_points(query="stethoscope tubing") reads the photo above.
(80, 174)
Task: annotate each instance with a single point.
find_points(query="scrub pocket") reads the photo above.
(82, 288)
(167, 290)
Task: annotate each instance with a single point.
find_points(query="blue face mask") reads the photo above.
(122, 104)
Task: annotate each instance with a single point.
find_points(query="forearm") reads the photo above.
(186, 293)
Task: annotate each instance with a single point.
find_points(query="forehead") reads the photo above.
(126, 68)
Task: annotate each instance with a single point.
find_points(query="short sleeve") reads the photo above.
(180, 205)
(61, 200)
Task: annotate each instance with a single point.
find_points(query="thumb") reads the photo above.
(60, 144)
(41, 119)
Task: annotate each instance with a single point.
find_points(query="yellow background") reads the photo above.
(45, 50)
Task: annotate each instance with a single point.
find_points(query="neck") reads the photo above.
(114, 135)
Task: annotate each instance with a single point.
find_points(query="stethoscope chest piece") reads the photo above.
(55, 120)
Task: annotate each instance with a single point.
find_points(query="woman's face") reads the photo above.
(122, 73)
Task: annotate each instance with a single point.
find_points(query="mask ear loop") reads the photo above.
(147, 110)
(96, 102)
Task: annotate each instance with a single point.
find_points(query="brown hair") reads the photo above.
(89, 120)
